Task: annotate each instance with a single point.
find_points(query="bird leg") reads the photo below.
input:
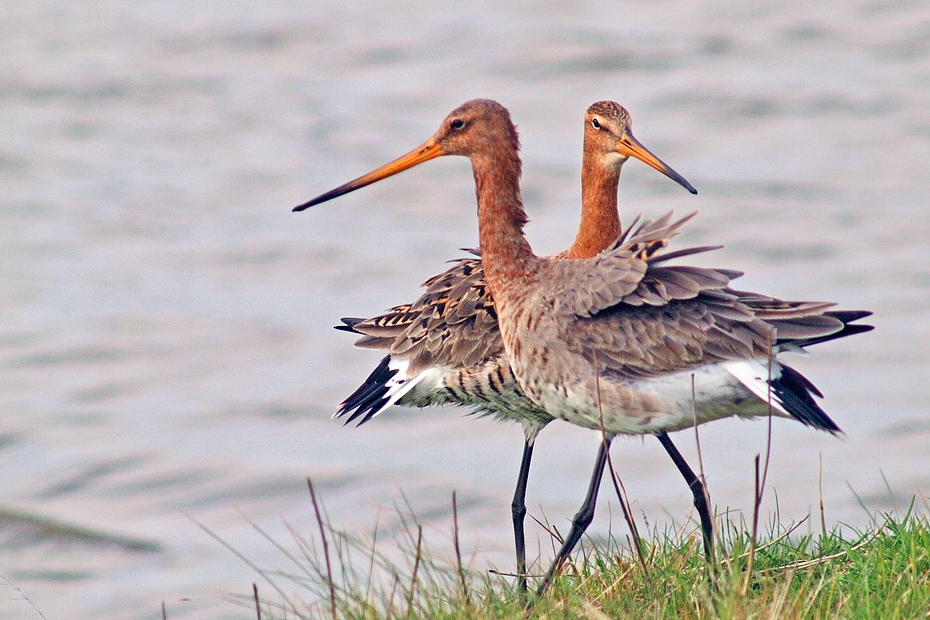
(582, 519)
(697, 490)
(518, 510)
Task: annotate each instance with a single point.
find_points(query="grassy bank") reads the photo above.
(881, 572)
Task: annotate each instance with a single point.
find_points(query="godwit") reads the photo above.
(621, 342)
(446, 348)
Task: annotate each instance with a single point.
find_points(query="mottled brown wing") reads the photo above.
(649, 340)
(616, 276)
(800, 321)
(452, 324)
(716, 325)
(643, 318)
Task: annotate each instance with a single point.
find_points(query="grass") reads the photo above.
(880, 572)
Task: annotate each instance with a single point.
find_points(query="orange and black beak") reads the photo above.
(631, 147)
(425, 152)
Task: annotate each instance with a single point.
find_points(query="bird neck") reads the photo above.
(600, 218)
(505, 252)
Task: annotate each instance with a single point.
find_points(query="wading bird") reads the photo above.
(621, 342)
(446, 347)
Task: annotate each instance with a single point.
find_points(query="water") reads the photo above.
(166, 342)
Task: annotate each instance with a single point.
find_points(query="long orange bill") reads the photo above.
(631, 147)
(425, 152)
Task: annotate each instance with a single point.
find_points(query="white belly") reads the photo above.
(670, 402)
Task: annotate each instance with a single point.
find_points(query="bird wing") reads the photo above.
(619, 274)
(452, 324)
(639, 317)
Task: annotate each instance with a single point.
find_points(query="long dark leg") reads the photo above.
(581, 521)
(518, 510)
(697, 490)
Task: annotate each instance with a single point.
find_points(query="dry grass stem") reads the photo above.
(416, 567)
(615, 477)
(823, 516)
(700, 457)
(258, 607)
(329, 567)
(760, 481)
(458, 550)
(757, 502)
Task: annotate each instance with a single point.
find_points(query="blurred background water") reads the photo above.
(165, 320)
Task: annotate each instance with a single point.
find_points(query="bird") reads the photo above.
(622, 342)
(446, 348)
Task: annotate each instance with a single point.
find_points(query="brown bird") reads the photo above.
(446, 347)
(621, 342)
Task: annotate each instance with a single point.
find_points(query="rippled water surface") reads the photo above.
(166, 344)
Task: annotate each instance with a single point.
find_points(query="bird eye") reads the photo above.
(457, 123)
(595, 123)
